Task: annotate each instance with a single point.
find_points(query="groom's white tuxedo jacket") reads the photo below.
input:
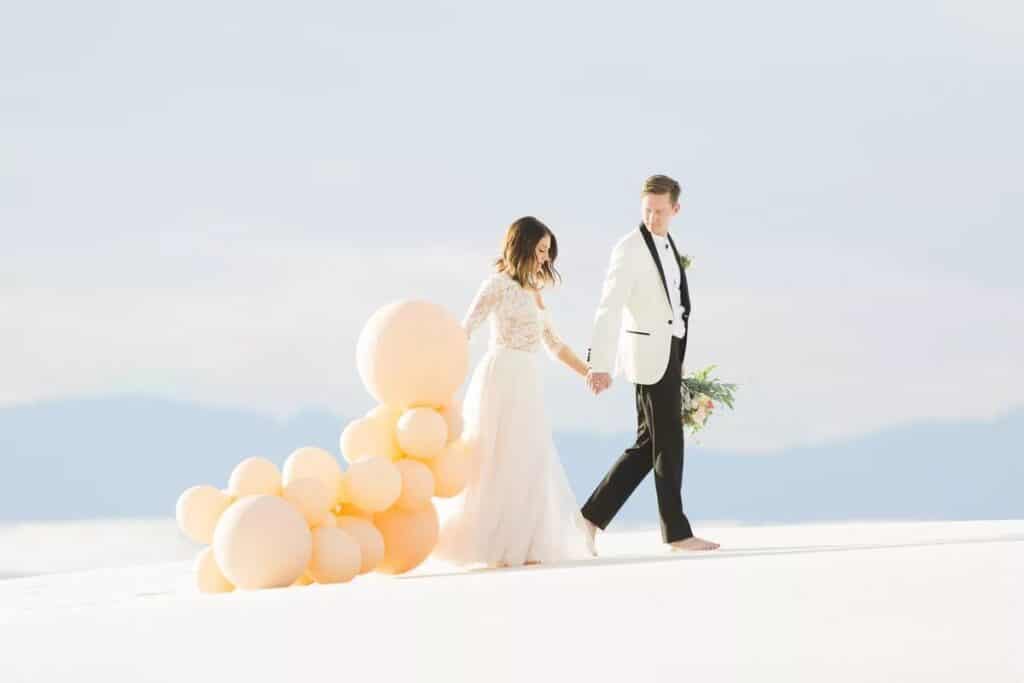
(634, 321)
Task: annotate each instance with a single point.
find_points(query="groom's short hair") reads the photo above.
(662, 184)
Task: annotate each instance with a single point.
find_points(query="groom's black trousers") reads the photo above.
(659, 444)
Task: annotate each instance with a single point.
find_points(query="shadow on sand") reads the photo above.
(722, 554)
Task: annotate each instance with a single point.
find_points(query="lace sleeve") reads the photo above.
(484, 303)
(552, 342)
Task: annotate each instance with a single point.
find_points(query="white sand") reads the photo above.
(831, 602)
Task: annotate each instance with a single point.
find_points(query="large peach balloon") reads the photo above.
(412, 353)
(310, 497)
(316, 463)
(262, 542)
(254, 477)
(337, 557)
(209, 577)
(369, 437)
(371, 543)
(451, 469)
(373, 484)
(417, 485)
(198, 510)
(452, 415)
(422, 433)
(409, 538)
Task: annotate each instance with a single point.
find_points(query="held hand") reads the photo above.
(598, 382)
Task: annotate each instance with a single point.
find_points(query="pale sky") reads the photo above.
(205, 201)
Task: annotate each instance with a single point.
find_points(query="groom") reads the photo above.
(646, 299)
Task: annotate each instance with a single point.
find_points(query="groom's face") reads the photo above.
(658, 211)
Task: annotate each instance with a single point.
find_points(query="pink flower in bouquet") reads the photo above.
(699, 406)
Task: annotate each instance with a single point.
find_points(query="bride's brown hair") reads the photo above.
(519, 254)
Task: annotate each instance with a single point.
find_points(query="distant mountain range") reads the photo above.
(132, 456)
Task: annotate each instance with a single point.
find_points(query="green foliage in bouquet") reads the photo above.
(703, 383)
(699, 392)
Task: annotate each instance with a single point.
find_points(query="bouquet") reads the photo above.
(700, 391)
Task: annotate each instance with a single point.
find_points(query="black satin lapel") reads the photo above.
(657, 261)
(684, 287)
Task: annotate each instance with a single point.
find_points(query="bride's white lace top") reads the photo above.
(518, 322)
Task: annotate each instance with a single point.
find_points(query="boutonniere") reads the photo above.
(685, 261)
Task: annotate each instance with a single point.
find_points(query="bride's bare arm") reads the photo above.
(575, 363)
(560, 350)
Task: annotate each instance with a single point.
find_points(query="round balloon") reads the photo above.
(412, 353)
(254, 477)
(369, 437)
(417, 485)
(409, 538)
(387, 414)
(337, 557)
(310, 497)
(452, 415)
(451, 469)
(262, 542)
(422, 433)
(371, 543)
(316, 463)
(198, 510)
(373, 484)
(209, 577)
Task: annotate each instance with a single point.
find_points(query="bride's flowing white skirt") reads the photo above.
(518, 506)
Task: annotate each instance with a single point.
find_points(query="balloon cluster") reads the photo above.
(313, 521)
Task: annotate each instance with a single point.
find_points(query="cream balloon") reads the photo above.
(387, 414)
(369, 437)
(310, 497)
(373, 484)
(262, 542)
(371, 542)
(422, 433)
(409, 538)
(254, 477)
(337, 557)
(451, 469)
(412, 353)
(198, 510)
(209, 577)
(387, 417)
(417, 485)
(314, 462)
(452, 415)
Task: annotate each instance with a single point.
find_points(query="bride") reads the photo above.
(517, 508)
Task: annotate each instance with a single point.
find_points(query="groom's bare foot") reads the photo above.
(590, 535)
(694, 543)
